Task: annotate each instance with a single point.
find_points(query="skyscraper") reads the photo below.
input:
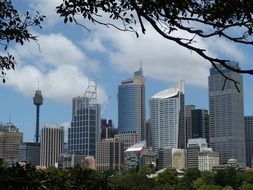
(227, 134)
(84, 131)
(249, 139)
(167, 118)
(131, 105)
(51, 145)
(200, 124)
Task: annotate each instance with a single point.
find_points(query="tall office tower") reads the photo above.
(107, 129)
(10, 140)
(188, 121)
(200, 124)
(51, 145)
(131, 105)
(249, 139)
(29, 152)
(84, 131)
(227, 132)
(194, 146)
(109, 155)
(167, 118)
(37, 100)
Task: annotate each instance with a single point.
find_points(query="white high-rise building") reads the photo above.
(167, 118)
(51, 145)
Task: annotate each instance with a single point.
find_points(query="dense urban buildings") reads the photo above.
(10, 140)
(84, 131)
(109, 155)
(249, 139)
(227, 132)
(167, 118)
(131, 105)
(51, 145)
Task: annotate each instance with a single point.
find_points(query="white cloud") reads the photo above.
(59, 67)
(47, 8)
(162, 59)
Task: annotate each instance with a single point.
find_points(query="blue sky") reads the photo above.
(69, 56)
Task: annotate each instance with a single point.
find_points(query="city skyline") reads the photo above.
(69, 56)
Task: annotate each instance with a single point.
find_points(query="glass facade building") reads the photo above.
(167, 118)
(226, 120)
(131, 105)
(85, 128)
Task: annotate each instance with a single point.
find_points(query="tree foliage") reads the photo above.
(196, 18)
(15, 27)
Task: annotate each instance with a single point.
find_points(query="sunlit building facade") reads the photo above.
(167, 118)
(131, 105)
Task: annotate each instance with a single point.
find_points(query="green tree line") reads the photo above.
(26, 177)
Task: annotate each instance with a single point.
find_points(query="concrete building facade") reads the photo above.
(51, 145)
(227, 131)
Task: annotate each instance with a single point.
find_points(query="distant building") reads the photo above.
(147, 158)
(128, 138)
(249, 139)
(194, 146)
(107, 129)
(171, 157)
(167, 118)
(227, 131)
(164, 158)
(148, 134)
(178, 158)
(207, 159)
(90, 162)
(85, 129)
(131, 105)
(29, 152)
(188, 121)
(70, 160)
(51, 145)
(10, 140)
(109, 155)
(197, 123)
(200, 124)
(132, 154)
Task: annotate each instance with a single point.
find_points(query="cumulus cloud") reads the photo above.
(161, 59)
(58, 66)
